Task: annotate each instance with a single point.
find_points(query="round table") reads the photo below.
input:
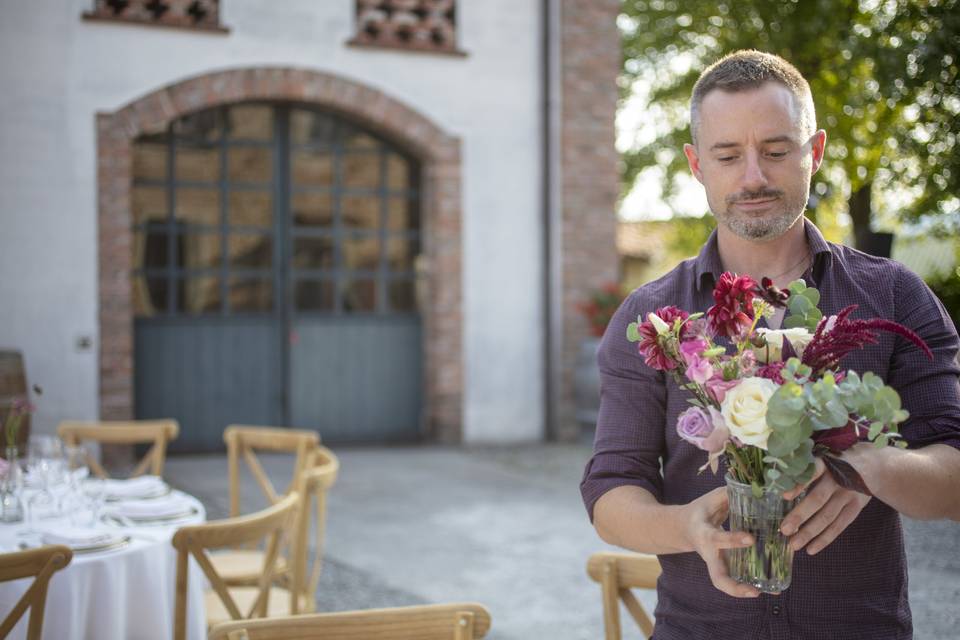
(121, 594)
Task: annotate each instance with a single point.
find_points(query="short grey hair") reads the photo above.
(750, 69)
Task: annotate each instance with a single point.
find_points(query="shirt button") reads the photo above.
(776, 610)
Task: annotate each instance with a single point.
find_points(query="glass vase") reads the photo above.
(11, 488)
(768, 564)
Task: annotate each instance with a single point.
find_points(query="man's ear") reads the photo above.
(694, 161)
(818, 143)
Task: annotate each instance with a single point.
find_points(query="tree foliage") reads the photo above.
(885, 83)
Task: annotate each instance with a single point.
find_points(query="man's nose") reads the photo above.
(753, 176)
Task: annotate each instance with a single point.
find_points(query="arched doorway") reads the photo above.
(282, 252)
(275, 253)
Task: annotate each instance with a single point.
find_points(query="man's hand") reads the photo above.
(705, 531)
(822, 514)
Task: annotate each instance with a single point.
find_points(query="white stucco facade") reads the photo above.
(58, 71)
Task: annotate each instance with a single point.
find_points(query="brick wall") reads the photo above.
(438, 152)
(590, 63)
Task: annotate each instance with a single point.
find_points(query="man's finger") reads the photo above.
(730, 539)
(847, 515)
(820, 468)
(811, 504)
(819, 522)
(717, 568)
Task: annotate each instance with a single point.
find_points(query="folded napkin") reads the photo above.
(167, 507)
(141, 487)
(76, 537)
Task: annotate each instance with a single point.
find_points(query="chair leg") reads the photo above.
(611, 603)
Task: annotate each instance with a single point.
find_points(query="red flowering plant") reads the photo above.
(600, 307)
(776, 399)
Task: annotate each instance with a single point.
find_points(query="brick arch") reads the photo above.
(438, 152)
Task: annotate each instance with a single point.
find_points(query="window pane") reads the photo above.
(251, 251)
(149, 161)
(313, 295)
(150, 248)
(361, 252)
(401, 252)
(199, 251)
(196, 164)
(361, 170)
(311, 127)
(403, 215)
(358, 139)
(312, 209)
(360, 212)
(149, 204)
(360, 295)
(398, 172)
(250, 122)
(248, 294)
(251, 208)
(311, 168)
(203, 126)
(402, 295)
(251, 165)
(198, 206)
(149, 296)
(313, 253)
(199, 295)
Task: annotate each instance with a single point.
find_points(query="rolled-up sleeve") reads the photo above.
(929, 389)
(630, 439)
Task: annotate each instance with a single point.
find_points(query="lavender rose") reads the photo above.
(704, 430)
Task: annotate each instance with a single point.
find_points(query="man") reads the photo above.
(755, 148)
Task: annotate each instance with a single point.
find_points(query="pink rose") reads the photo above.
(717, 387)
(698, 370)
(692, 348)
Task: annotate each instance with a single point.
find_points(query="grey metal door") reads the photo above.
(275, 282)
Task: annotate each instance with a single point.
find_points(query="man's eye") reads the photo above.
(727, 158)
(777, 154)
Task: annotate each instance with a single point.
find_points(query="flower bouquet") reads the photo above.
(771, 402)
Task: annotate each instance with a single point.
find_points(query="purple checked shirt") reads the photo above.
(856, 588)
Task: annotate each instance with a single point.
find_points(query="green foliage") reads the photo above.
(802, 307)
(947, 288)
(885, 78)
(800, 407)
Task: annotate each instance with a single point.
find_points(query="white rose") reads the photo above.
(799, 339)
(744, 408)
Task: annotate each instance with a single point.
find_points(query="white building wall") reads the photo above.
(57, 71)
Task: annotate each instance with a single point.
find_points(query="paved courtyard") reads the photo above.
(504, 527)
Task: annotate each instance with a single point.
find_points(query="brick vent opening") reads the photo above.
(418, 25)
(203, 15)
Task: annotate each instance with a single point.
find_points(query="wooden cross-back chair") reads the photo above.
(316, 481)
(457, 621)
(244, 566)
(40, 564)
(236, 603)
(158, 433)
(617, 574)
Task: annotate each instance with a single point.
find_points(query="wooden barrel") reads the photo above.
(13, 385)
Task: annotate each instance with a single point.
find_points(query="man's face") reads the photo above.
(755, 160)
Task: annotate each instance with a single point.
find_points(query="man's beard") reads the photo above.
(767, 227)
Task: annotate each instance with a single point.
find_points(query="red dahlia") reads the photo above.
(733, 312)
(651, 345)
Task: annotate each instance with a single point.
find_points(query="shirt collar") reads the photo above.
(708, 263)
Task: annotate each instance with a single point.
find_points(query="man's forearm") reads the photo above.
(919, 483)
(630, 517)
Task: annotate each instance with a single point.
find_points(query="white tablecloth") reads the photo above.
(124, 594)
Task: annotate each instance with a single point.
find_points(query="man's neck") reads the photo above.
(784, 259)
